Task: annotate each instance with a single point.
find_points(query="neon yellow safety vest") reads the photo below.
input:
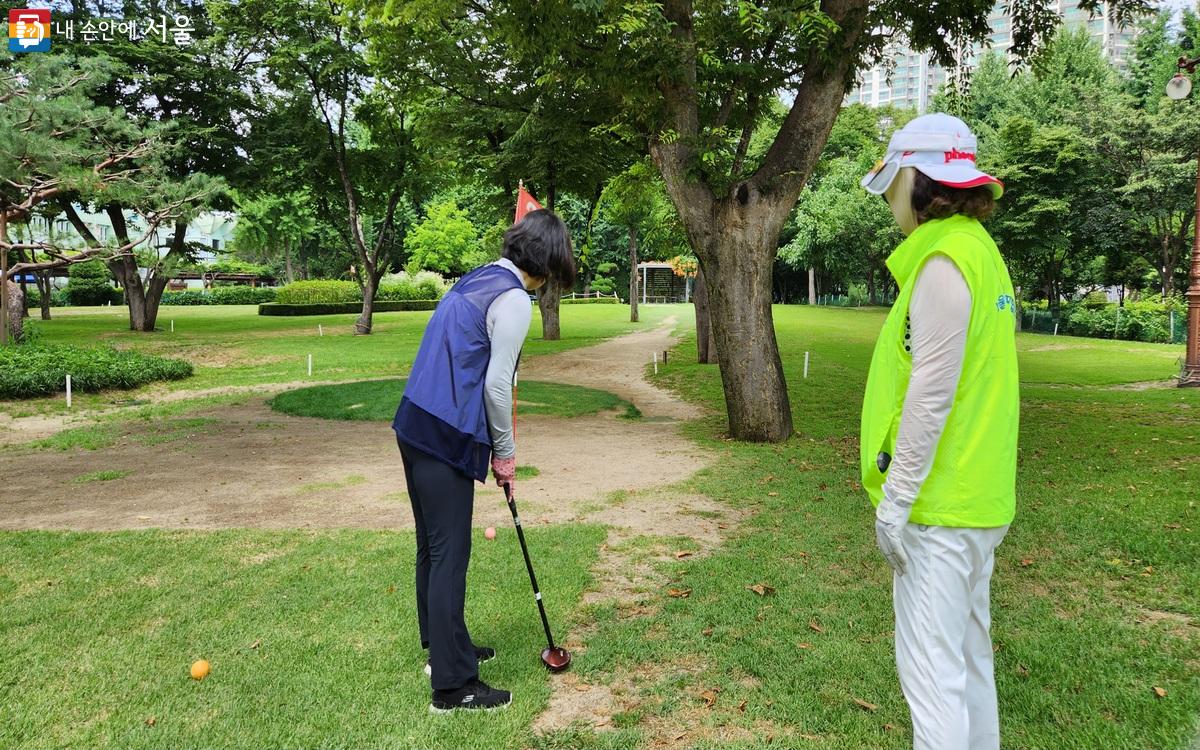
(972, 482)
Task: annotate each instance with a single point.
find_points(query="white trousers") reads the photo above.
(943, 638)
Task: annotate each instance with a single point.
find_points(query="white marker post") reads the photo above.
(1117, 327)
(68, 391)
(320, 330)
(806, 364)
(310, 365)
(1056, 329)
(1171, 339)
(172, 326)
(655, 363)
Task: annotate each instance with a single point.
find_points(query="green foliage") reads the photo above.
(318, 291)
(403, 286)
(334, 308)
(222, 295)
(41, 369)
(1145, 320)
(592, 301)
(237, 265)
(601, 281)
(91, 285)
(445, 241)
(840, 229)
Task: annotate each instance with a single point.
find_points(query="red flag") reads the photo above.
(525, 203)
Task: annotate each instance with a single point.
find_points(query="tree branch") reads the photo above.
(825, 77)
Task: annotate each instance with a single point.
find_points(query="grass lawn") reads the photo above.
(375, 400)
(311, 638)
(1096, 599)
(233, 346)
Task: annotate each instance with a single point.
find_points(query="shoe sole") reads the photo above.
(442, 711)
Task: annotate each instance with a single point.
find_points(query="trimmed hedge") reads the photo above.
(592, 301)
(318, 291)
(222, 295)
(339, 308)
(31, 370)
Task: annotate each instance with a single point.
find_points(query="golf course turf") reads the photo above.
(1096, 610)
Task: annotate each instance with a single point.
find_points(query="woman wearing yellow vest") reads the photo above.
(939, 429)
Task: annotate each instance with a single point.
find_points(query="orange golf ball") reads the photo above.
(200, 669)
(490, 532)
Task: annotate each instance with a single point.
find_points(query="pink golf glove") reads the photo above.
(505, 471)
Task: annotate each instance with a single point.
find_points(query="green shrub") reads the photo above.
(185, 297)
(91, 285)
(224, 295)
(1144, 320)
(242, 295)
(341, 308)
(858, 295)
(592, 301)
(401, 286)
(319, 291)
(33, 370)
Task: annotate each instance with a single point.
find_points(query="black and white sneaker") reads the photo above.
(482, 654)
(475, 696)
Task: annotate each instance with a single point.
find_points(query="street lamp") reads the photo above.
(1178, 88)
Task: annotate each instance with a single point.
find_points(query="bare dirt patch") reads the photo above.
(252, 467)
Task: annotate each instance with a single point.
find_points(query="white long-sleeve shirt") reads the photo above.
(939, 316)
(508, 320)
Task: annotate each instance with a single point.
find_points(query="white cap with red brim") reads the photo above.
(941, 147)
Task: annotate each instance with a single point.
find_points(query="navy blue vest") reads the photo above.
(441, 412)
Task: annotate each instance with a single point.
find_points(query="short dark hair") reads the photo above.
(540, 245)
(933, 200)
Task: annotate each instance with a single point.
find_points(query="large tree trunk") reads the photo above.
(633, 275)
(44, 291)
(15, 312)
(287, 260)
(550, 294)
(740, 308)
(548, 298)
(706, 348)
(365, 322)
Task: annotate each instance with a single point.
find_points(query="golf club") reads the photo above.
(554, 657)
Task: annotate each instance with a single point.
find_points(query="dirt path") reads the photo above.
(246, 466)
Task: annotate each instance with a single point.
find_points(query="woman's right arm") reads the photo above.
(508, 321)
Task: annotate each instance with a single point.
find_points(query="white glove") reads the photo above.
(890, 519)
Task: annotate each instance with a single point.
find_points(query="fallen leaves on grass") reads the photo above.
(682, 554)
(150, 721)
(256, 644)
(761, 589)
(864, 705)
(706, 632)
(1026, 562)
(803, 645)
(683, 593)
(710, 697)
(815, 626)
(1160, 692)
(742, 707)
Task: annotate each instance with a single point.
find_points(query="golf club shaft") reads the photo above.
(537, 593)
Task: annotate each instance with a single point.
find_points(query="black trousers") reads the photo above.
(442, 501)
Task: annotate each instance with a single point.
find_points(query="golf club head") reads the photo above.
(556, 659)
